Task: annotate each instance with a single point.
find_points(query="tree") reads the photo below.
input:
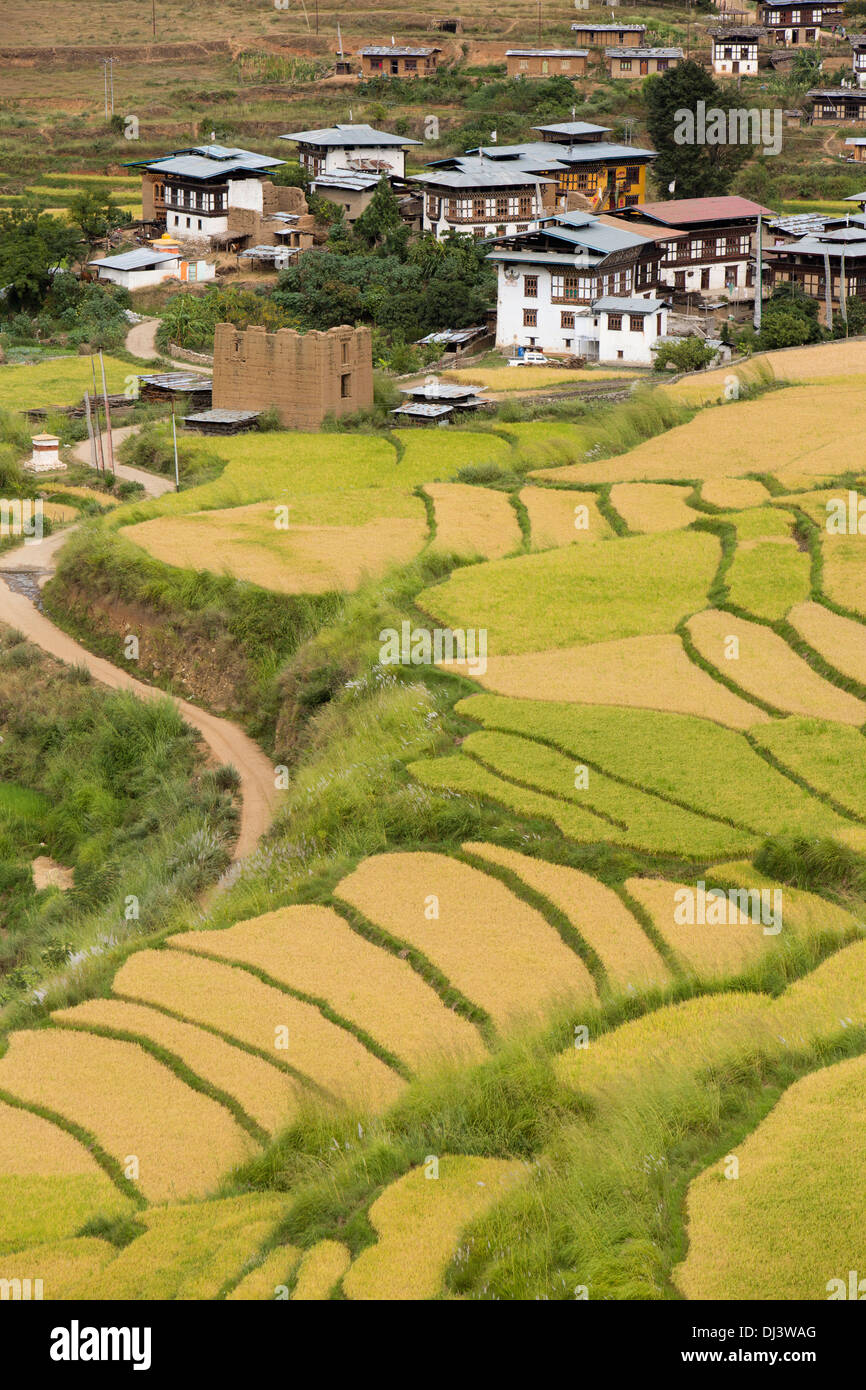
(686, 158)
(688, 355)
(33, 246)
(380, 224)
(789, 318)
(94, 216)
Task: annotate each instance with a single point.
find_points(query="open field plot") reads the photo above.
(805, 914)
(734, 493)
(558, 516)
(723, 441)
(496, 949)
(757, 525)
(246, 543)
(690, 761)
(642, 820)
(650, 507)
(57, 381)
(765, 666)
(270, 1021)
(64, 1267)
(841, 641)
(830, 757)
(743, 1241)
(314, 950)
(630, 960)
(183, 1140)
(845, 572)
(266, 1279)
(266, 1094)
(50, 1185)
(579, 594)
(710, 949)
(505, 378)
(473, 521)
(419, 1219)
(815, 362)
(319, 1270)
(769, 578)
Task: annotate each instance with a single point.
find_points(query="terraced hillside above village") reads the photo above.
(547, 977)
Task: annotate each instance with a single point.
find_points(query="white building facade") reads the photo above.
(735, 51)
(474, 195)
(334, 149)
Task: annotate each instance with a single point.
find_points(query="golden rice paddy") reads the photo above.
(630, 960)
(189, 1251)
(245, 543)
(635, 672)
(315, 951)
(830, 757)
(649, 507)
(558, 516)
(319, 1270)
(841, 641)
(805, 913)
(236, 1003)
(474, 520)
(50, 1185)
(59, 511)
(64, 1268)
(269, 1278)
(182, 1140)
(708, 950)
(419, 1220)
(734, 493)
(265, 1093)
(767, 668)
(768, 577)
(844, 575)
(499, 952)
(789, 1223)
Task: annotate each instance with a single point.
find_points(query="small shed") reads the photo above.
(167, 386)
(136, 269)
(222, 421)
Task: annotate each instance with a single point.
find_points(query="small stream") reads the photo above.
(25, 582)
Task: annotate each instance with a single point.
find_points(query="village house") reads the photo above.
(714, 254)
(135, 270)
(857, 146)
(472, 193)
(791, 22)
(586, 169)
(858, 58)
(641, 62)
(394, 61)
(357, 148)
(735, 49)
(193, 191)
(601, 36)
(828, 265)
(546, 62)
(838, 105)
(581, 284)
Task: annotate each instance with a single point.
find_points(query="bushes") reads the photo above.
(153, 448)
(189, 320)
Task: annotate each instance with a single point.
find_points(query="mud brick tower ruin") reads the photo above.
(303, 376)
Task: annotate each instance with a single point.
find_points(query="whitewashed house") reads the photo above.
(485, 197)
(136, 269)
(735, 50)
(712, 246)
(858, 60)
(581, 284)
(194, 189)
(339, 148)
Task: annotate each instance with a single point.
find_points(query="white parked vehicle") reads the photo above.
(529, 359)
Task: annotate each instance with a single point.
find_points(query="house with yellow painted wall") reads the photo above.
(577, 157)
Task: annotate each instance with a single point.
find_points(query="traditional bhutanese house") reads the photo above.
(136, 269)
(471, 193)
(858, 59)
(641, 62)
(838, 105)
(829, 266)
(581, 284)
(608, 175)
(735, 49)
(546, 62)
(359, 148)
(394, 61)
(194, 189)
(857, 145)
(601, 36)
(714, 253)
(791, 22)
(350, 189)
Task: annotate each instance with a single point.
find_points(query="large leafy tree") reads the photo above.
(697, 170)
(33, 245)
(94, 216)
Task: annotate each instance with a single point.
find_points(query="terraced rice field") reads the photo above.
(319, 1270)
(314, 950)
(65, 1268)
(268, 1278)
(841, 641)
(769, 579)
(844, 577)
(768, 669)
(811, 1147)
(830, 757)
(472, 521)
(499, 952)
(734, 493)
(285, 1029)
(559, 516)
(58, 381)
(419, 1219)
(649, 507)
(711, 949)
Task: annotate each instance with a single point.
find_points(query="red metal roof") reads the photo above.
(680, 211)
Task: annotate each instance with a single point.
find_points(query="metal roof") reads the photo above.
(609, 28)
(178, 381)
(455, 335)
(547, 52)
(679, 211)
(354, 179)
(820, 246)
(858, 93)
(611, 303)
(737, 31)
(393, 51)
(344, 134)
(549, 154)
(223, 417)
(440, 390)
(195, 166)
(425, 412)
(137, 260)
(574, 128)
(800, 223)
(643, 52)
(473, 172)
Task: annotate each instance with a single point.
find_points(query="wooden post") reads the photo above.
(99, 454)
(107, 415)
(93, 463)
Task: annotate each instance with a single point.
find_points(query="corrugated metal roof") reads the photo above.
(194, 166)
(424, 412)
(472, 172)
(178, 381)
(393, 51)
(679, 211)
(137, 260)
(353, 179)
(440, 390)
(609, 28)
(574, 128)
(455, 335)
(737, 31)
(223, 417)
(344, 134)
(611, 303)
(550, 154)
(856, 92)
(547, 52)
(817, 246)
(644, 52)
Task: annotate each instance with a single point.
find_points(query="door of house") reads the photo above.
(545, 67)
(705, 279)
(735, 67)
(644, 67)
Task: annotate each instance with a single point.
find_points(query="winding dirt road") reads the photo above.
(227, 742)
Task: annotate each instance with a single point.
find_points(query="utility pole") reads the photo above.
(153, 15)
(759, 278)
(539, 20)
(108, 437)
(317, 16)
(100, 459)
(174, 441)
(108, 84)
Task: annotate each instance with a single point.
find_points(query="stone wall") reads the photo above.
(303, 376)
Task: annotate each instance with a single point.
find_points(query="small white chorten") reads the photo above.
(46, 454)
